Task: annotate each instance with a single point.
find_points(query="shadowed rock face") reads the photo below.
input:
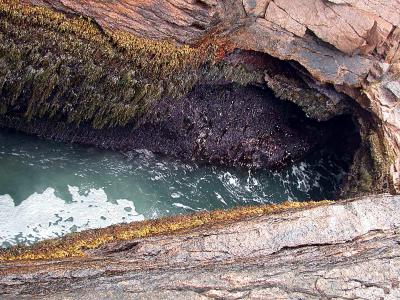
(235, 125)
(171, 100)
(226, 125)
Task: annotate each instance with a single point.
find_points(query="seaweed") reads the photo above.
(68, 68)
(75, 244)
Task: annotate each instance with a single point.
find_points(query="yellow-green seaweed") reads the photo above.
(66, 67)
(75, 244)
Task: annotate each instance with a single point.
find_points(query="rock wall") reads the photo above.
(227, 125)
(352, 45)
(344, 55)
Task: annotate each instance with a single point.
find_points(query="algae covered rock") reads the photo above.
(107, 63)
(118, 91)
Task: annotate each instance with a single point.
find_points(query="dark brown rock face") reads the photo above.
(229, 125)
(226, 125)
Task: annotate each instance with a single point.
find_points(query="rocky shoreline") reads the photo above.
(124, 72)
(345, 249)
(131, 74)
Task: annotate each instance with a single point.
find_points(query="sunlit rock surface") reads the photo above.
(347, 249)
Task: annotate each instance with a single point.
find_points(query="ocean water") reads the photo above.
(49, 189)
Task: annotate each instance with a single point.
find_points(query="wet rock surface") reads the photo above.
(226, 125)
(343, 47)
(348, 249)
(232, 125)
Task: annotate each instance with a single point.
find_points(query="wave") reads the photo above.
(45, 215)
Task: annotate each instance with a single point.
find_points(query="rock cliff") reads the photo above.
(328, 57)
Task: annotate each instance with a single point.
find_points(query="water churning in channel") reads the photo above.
(48, 189)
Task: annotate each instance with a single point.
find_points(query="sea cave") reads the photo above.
(146, 144)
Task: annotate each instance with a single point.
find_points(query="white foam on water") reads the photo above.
(180, 205)
(175, 195)
(220, 198)
(303, 176)
(160, 187)
(43, 216)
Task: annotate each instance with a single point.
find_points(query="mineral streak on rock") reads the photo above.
(347, 249)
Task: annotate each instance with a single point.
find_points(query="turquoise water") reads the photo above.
(48, 189)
